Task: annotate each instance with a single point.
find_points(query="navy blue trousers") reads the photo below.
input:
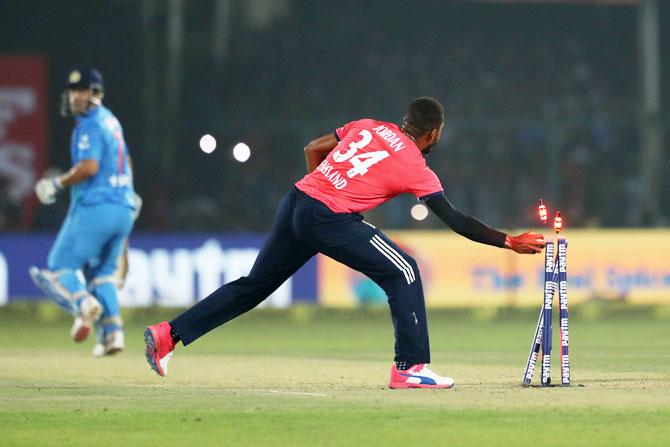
(304, 227)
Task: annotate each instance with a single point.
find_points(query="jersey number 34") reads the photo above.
(361, 162)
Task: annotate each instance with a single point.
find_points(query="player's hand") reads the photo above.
(46, 190)
(526, 243)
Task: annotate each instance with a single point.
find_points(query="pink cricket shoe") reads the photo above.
(160, 347)
(418, 376)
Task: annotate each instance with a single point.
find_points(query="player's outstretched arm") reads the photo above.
(477, 231)
(318, 149)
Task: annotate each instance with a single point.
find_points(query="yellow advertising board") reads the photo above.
(625, 265)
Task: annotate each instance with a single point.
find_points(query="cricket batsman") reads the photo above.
(99, 219)
(358, 167)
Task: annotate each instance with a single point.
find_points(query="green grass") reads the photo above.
(288, 378)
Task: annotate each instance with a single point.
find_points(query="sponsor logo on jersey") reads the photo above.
(84, 142)
(120, 180)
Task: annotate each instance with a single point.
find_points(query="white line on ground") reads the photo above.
(298, 393)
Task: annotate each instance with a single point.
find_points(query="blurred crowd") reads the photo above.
(540, 103)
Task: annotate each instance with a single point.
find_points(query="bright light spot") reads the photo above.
(241, 152)
(419, 211)
(207, 143)
(558, 222)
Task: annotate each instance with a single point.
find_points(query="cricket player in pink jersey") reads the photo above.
(358, 167)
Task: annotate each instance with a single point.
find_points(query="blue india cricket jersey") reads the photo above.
(98, 136)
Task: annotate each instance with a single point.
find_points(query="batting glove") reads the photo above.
(527, 242)
(46, 190)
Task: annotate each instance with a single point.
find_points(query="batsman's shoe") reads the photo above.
(160, 347)
(112, 343)
(418, 376)
(89, 312)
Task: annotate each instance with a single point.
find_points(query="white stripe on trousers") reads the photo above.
(398, 256)
(392, 255)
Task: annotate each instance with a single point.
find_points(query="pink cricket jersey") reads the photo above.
(373, 162)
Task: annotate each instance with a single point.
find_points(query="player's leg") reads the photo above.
(350, 240)
(397, 274)
(110, 340)
(63, 281)
(282, 255)
(110, 337)
(279, 258)
(65, 293)
(65, 287)
(357, 244)
(104, 283)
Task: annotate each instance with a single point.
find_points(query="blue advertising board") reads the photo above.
(165, 269)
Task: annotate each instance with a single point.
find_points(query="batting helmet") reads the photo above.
(85, 77)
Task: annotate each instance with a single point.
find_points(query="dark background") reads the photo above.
(542, 100)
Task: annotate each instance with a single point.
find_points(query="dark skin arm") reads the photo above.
(463, 224)
(318, 149)
(79, 172)
(473, 229)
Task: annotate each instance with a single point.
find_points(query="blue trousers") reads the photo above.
(92, 237)
(303, 227)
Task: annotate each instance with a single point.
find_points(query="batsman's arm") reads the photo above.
(79, 172)
(477, 231)
(46, 189)
(318, 149)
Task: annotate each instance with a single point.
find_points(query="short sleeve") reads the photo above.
(342, 132)
(423, 182)
(90, 143)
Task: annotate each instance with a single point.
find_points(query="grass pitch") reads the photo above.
(287, 378)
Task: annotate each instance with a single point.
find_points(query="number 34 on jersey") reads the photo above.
(360, 162)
